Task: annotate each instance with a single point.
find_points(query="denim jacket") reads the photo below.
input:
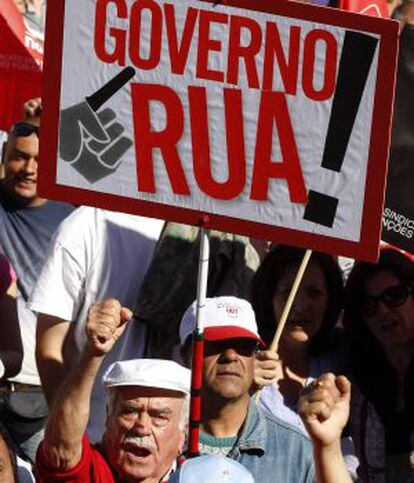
(272, 450)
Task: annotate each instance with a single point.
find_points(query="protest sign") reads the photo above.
(252, 117)
(398, 217)
(21, 59)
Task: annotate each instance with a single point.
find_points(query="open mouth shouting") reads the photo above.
(138, 453)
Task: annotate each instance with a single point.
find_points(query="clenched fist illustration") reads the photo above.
(93, 142)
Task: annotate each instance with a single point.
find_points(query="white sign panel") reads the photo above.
(259, 120)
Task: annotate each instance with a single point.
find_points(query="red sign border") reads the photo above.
(368, 246)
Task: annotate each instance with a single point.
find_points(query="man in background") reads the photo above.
(231, 423)
(96, 254)
(27, 223)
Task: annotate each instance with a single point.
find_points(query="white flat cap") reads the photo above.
(156, 373)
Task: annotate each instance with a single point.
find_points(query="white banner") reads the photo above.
(239, 114)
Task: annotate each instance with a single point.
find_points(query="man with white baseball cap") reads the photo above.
(233, 426)
(147, 412)
(225, 318)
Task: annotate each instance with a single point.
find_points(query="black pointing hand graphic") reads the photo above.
(92, 141)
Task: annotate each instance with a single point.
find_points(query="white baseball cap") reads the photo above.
(224, 318)
(156, 373)
(211, 469)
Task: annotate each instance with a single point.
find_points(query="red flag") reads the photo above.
(21, 59)
(374, 8)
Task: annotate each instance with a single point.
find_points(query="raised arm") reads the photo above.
(69, 416)
(324, 409)
(51, 335)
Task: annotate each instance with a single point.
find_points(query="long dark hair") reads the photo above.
(369, 365)
(266, 279)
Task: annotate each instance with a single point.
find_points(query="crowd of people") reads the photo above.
(97, 317)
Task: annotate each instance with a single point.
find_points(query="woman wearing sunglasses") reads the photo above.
(379, 321)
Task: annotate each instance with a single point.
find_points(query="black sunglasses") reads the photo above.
(25, 129)
(391, 297)
(243, 346)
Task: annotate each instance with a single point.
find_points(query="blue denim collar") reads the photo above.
(254, 432)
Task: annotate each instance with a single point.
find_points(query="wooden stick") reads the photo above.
(285, 314)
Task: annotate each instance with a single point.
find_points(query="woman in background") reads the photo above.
(379, 322)
(310, 344)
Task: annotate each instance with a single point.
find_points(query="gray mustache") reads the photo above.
(142, 441)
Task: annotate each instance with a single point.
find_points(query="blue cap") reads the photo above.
(211, 469)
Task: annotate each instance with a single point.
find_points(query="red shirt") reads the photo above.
(92, 468)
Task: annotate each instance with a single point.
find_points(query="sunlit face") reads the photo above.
(144, 434)
(20, 168)
(390, 322)
(308, 309)
(228, 367)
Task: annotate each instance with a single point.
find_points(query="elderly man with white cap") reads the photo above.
(233, 426)
(146, 420)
